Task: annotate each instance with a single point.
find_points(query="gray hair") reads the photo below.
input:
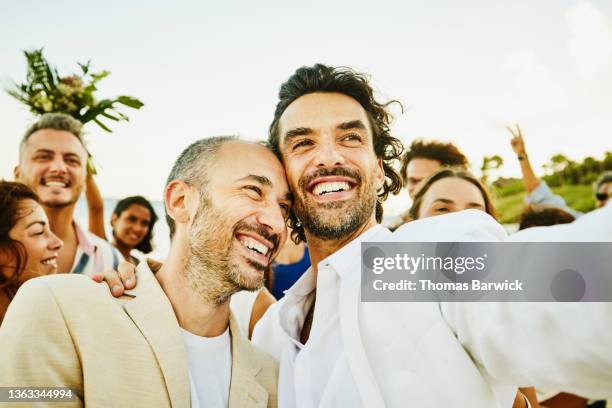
(54, 121)
(192, 166)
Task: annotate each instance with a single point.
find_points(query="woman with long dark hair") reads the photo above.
(28, 248)
(133, 220)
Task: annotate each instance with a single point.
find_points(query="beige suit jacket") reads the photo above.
(67, 331)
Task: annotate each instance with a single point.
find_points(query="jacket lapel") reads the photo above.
(245, 391)
(152, 312)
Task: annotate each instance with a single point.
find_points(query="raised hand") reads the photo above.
(517, 142)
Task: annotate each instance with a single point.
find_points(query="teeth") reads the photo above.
(324, 188)
(52, 262)
(255, 245)
(55, 184)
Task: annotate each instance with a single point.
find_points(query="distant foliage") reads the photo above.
(564, 171)
(571, 180)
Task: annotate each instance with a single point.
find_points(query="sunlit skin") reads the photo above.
(449, 195)
(53, 164)
(605, 188)
(417, 171)
(130, 227)
(327, 131)
(247, 187)
(41, 245)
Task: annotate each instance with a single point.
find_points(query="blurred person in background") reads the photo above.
(603, 189)
(52, 162)
(451, 190)
(28, 248)
(133, 220)
(423, 158)
(543, 216)
(538, 191)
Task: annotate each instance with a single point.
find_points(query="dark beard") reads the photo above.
(357, 211)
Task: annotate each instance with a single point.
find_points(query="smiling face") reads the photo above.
(327, 149)
(451, 194)
(240, 224)
(131, 225)
(41, 245)
(53, 165)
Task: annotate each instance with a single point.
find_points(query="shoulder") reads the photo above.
(68, 289)
(36, 304)
(470, 225)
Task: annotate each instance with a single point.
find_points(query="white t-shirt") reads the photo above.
(210, 368)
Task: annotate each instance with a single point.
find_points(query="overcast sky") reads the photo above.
(463, 70)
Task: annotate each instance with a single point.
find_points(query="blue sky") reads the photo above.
(463, 70)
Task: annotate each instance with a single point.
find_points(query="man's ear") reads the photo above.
(113, 219)
(176, 200)
(380, 174)
(16, 172)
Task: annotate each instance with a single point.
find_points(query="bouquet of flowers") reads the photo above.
(45, 91)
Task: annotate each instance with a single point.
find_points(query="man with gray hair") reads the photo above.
(172, 341)
(52, 162)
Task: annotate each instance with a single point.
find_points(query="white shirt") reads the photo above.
(210, 368)
(318, 373)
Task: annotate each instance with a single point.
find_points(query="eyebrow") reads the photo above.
(297, 132)
(443, 200)
(44, 151)
(264, 181)
(36, 222)
(352, 124)
(73, 155)
(304, 131)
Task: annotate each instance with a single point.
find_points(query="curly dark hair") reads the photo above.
(145, 245)
(446, 153)
(11, 196)
(344, 80)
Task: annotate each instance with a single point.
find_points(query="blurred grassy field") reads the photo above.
(512, 203)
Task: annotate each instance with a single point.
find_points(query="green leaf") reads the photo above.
(111, 117)
(130, 101)
(102, 125)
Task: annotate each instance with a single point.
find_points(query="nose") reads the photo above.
(58, 165)
(271, 216)
(329, 154)
(55, 244)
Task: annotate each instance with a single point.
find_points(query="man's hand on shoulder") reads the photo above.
(124, 278)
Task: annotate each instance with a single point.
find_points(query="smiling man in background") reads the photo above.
(52, 162)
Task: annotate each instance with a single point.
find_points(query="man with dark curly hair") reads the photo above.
(424, 158)
(334, 140)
